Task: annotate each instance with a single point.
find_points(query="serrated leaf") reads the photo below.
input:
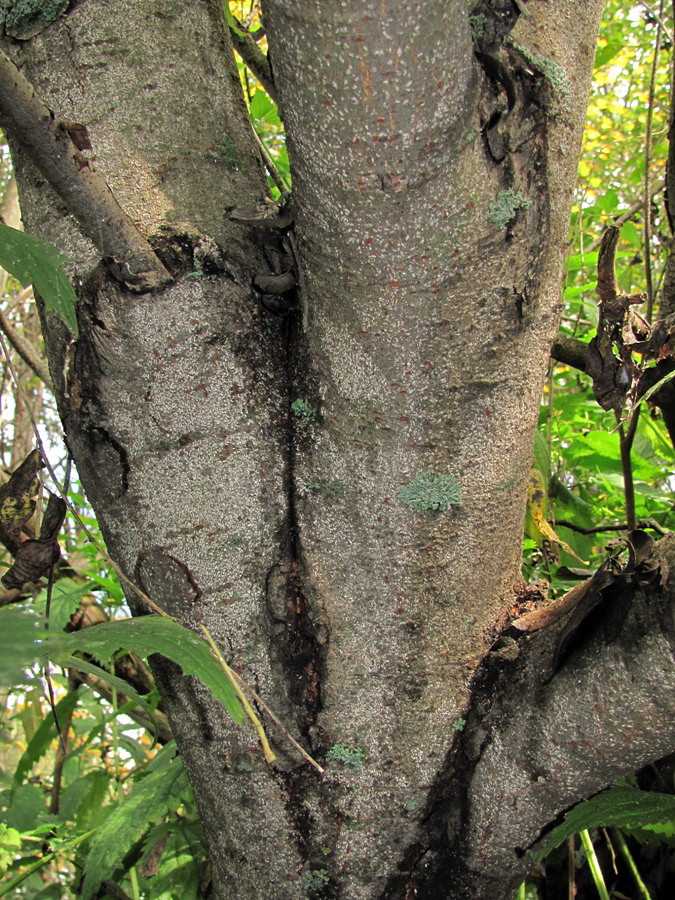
(27, 808)
(43, 737)
(145, 636)
(622, 805)
(32, 261)
(82, 801)
(148, 800)
(65, 600)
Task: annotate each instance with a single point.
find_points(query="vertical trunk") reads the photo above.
(430, 237)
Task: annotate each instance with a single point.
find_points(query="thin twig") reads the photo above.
(265, 708)
(25, 350)
(274, 173)
(255, 60)
(628, 214)
(268, 753)
(647, 232)
(626, 436)
(62, 729)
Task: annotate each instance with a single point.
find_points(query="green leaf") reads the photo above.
(119, 684)
(65, 599)
(262, 109)
(145, 636)
(149, 799)
(10, 843)
(43, 737)
(26, 807)
(83, 800)
(621, 805)
(19, 632)
(32, 261)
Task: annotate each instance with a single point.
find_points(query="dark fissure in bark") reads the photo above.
(303, 650)
(430, 869)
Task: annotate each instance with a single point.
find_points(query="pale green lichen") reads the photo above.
(505, 205)
(315, 880)
(477, 24)
(350, 757)
(303, 409)
(551, 70)
(18, 15)
(430, 491)
(458, 724)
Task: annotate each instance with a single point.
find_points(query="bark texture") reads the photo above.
(247, 468)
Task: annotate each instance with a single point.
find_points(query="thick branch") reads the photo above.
(24, 115)
(547, 744)
(569, 351)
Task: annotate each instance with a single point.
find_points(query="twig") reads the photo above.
(62, 729)
(25, 116)
(268, 753)
(25, 350)
(278, 723)
(275, 175)
(599, 529)
(648, 154)
(254, 58)
(629, 213)
(626, 436)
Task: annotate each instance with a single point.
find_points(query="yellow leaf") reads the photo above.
(536, 507)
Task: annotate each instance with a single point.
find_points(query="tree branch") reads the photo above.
(157, 724)
(569, 351)
(550, 741)
(23, 114)
(25, 350)
(255, 59)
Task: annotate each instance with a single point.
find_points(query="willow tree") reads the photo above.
(308, 427)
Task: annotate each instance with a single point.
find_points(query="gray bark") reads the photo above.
(430, 242)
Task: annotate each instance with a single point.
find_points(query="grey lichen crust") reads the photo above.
(427, 490)
(504, 206)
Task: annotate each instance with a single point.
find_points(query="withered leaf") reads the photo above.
(17, 500)
(78, 134)
(53, 518)
(32, 560)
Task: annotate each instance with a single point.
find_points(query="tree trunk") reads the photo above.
(290, 482)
